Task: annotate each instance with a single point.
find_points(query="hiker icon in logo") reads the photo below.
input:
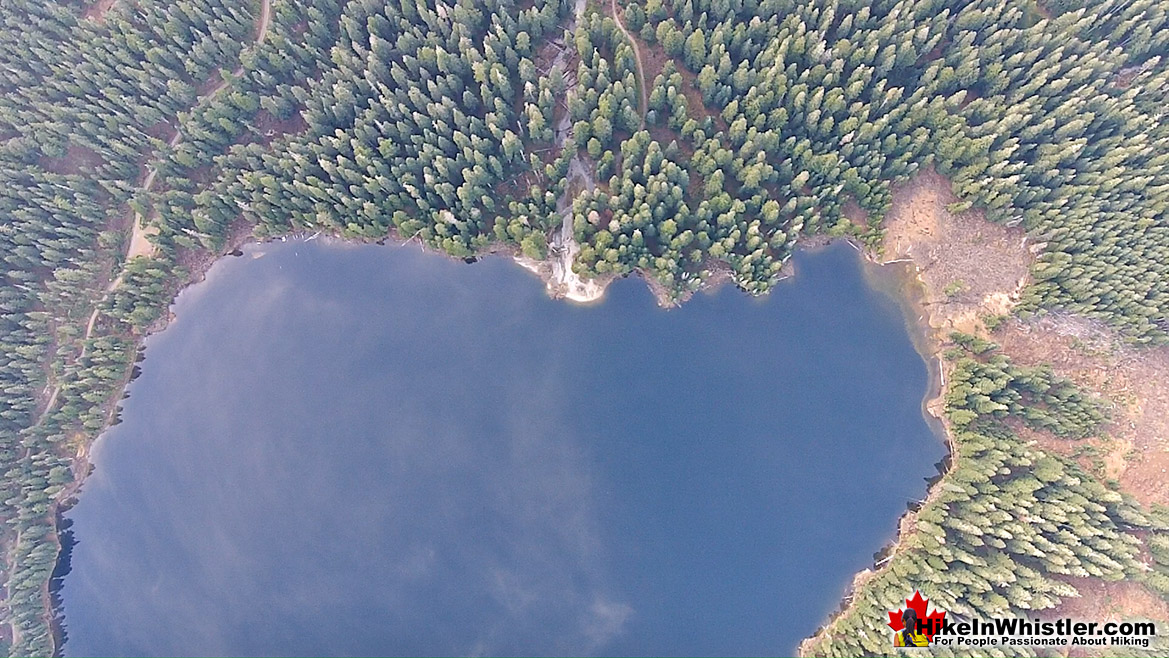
(909, 636)
(915, 626)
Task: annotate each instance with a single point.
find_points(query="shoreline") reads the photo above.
(959, 272)
(956, 272)
(910, 291)
(200, 265)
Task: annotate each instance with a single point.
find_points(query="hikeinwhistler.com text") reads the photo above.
(1019, 632)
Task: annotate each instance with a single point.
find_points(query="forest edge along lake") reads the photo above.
(639, 299)
(360, 449)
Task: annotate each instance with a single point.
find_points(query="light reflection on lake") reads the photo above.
(368, 450)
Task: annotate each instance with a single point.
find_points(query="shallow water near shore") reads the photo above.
(361, 450)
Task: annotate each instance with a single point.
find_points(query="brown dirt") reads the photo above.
(97, 11)
(972, 270)
(694, 102)
(969, 269)
(653, 57)
(140, 243)
(162, 130)
(1108, 601)
(643, 82)
(77, 159)
(852, 211)
(1111, 601)
(1134, 446)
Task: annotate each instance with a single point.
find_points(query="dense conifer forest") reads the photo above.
(1008, 518)
(679, 139)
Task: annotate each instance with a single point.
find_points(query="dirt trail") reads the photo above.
(637, 59)
(140, 234)
(140, 245)
(556, 270)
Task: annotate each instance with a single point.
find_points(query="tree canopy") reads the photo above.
(488, 124)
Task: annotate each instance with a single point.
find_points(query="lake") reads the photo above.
(341, 449)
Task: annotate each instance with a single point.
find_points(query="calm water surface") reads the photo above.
(368, 450)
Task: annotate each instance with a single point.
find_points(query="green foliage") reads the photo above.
(422, 121)
(1157, 577)
(462, 123)
(1005, 527)
(86, 103)
(985, 384)
(954, 288)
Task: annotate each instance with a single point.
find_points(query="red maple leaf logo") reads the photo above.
(919, 605)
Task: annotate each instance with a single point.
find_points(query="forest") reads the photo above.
(680, 140)
(1008, 519)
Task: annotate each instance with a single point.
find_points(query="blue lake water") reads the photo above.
(344, 450)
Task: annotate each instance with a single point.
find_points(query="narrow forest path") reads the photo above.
(563, 247)
(637, 60)
(140, 244)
